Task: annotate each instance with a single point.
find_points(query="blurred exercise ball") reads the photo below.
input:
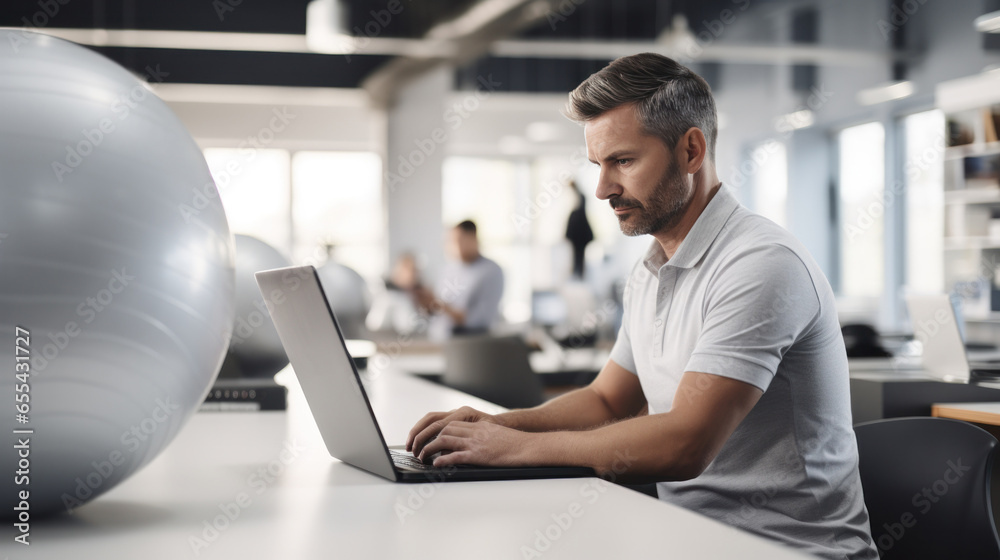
(347, 293)
(255, 347)
(116, 273)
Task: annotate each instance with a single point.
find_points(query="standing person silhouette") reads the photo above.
(578, 232)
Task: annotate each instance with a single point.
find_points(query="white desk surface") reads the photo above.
(318, 507)
(579, 359)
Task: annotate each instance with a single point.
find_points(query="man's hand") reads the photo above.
(480, 443)
(425, 299)
(430, 426)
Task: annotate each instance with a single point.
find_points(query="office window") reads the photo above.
(862, 210)
(487, 191)
(254, 187)
(923, 174)
(552, 198)
(770, 190)
(298, 203)
(337, 200)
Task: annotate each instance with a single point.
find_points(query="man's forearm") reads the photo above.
(457, 315)
(581, 409)
(637, 450)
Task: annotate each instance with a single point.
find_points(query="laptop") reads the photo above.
(944, 356)
(315, 345)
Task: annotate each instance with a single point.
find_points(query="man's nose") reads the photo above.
(607, 186)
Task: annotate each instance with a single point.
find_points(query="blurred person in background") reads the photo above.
(467, 299)
(394, 309)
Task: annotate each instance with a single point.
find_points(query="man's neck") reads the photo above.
(671, 238)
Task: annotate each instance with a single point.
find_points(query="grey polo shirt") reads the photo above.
(475, 288)
(741, 298)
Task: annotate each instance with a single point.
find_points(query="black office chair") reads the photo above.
(863, 341)
(927, 488)
(492, 368)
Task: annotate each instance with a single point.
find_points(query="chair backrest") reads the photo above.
(927, 487)
(492, 368)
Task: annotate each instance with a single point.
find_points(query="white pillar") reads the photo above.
(415, 145)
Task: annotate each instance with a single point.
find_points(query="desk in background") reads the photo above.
(312, 506)
(560, 372)
(884, 388)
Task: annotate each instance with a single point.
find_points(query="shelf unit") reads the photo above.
(972, 196)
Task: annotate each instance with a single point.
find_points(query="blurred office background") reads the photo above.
(845, 121)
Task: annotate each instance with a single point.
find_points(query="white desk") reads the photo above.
(579, 359)
(318, 507)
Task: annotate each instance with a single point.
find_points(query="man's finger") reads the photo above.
(443, 443)
(454, 458)
(421, 425)
(428, 434)
(457, 428)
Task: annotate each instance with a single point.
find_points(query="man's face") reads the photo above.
(639, 177)
(464, 246)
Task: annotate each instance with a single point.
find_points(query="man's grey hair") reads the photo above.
(669, 98)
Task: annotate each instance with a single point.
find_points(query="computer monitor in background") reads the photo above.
(548, 308)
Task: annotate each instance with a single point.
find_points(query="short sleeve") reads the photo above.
(621, 352)
(759, 303)
(484, 301)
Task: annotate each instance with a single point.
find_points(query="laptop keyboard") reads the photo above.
(407, 460)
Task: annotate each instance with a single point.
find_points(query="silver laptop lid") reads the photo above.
(935, 326)
(312, 339)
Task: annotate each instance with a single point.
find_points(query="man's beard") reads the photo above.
(663, 210)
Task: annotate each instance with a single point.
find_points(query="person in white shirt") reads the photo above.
(728, 384)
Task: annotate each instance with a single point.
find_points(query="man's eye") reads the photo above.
(622, 161)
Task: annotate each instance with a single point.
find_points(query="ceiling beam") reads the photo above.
(471, 34)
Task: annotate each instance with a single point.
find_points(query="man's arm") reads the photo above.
(615, 394)
(427, 301)
(674, 445)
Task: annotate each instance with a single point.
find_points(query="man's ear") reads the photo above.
(692, 150)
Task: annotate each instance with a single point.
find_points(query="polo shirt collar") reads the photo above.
(704, 232)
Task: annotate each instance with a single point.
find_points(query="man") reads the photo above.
(728, 384)
(468, 298)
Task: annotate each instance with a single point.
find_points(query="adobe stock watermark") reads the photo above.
(561, 12)
(374, 27)
(257, 483)
(453, 117)
(88, 310)
(47, 11)
(542, 540)
(244, 327)
(92, 138)
(246, 152)
(552, 190)
(898, 17)
(881, 202)
(711, 31)
(785, 126)
(131, 440)
(420, 494)
(382, 361)
(922, 501)
(756, 498)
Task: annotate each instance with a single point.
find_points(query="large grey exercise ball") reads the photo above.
(116, 274)
(255, 347)
(347, 294)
